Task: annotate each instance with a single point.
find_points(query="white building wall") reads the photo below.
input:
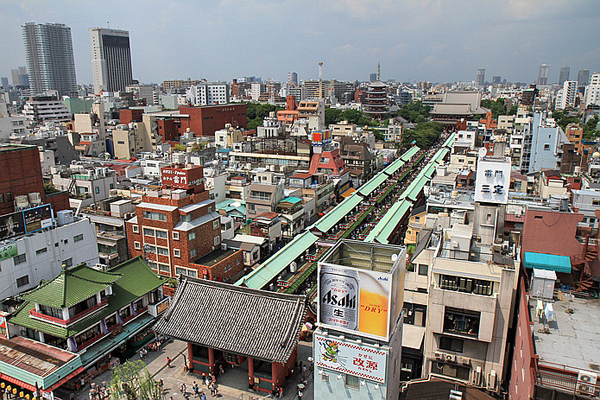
(60, 247)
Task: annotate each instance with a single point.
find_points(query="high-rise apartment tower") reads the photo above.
(111, 59)
(49, 55)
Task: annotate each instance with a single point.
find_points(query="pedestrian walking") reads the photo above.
(196, 389)
(168, 362)
(182, 388)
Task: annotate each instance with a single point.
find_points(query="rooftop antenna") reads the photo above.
(108, 23)
(320, 80)
(378, 71)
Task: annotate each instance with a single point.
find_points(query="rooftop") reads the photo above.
(270, 331)
(214, 257)
(573, 338)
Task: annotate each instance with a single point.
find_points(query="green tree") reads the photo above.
(415, 112)
(563, 118)
(590, 129)
(132, 381)
(497, 107)
(424, 134)
(256, 113)
(332, 116)
(179, 147)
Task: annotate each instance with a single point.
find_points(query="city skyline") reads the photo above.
(413, 40)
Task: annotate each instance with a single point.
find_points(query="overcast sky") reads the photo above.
(415, 40)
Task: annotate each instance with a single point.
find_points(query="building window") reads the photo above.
(466, 285)
(20, 259)
(148, 232)
(216, 224)
(68, 262)
(78, 238)
(452, 344)
(186, 218)
(461, 321)
(161, 234)
(191, 235)
(453, 371)
(164, 268)
(135, 229)
(217, 240)
(41, 251)
(546, 146)
(423, 268)
(180, 271)
(162, 251)
(352, 381)
(176, 253)
(97, 190)
(22, 281)
(1, 197)
(193, 253)
(137, 245)
(155, 215)
(175, 235)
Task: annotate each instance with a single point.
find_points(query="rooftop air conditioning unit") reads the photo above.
(293, 266)
(224, 246)
(477, 377)
(492, 381)
(586, 383)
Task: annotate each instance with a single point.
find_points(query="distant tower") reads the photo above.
(543, 74)
(320, 80)
(373, 77)
(111, 59)
(376, 104)
(564, 74)
(481, 76)
(583, 77)
(294, 78)
(49, 55)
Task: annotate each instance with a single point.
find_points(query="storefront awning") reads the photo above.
(549, 262)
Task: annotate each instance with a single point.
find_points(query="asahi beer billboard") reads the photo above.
(360, 301)
(350, 358)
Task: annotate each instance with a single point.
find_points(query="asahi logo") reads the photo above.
(346, 301)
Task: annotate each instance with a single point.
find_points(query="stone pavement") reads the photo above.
(232, 385)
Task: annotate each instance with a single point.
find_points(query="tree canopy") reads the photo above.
(590, 129)
(425, 134)
(563, 118)
(335, 115)
(132, 381)
(415, 112)
(256, 113)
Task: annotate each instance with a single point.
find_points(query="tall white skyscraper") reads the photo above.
(111, 59)
(49, 55)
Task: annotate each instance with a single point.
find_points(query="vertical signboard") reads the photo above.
(357, 300)
(351, 358)
(38, 218)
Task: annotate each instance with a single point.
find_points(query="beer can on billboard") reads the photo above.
(339, 299)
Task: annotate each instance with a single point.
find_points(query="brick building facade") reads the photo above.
(179, 232)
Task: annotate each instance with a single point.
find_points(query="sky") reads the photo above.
(414, 40)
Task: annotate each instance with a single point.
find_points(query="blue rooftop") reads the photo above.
(549, 262)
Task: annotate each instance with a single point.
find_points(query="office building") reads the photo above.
(564, 74)
(294, 78)
(480, 76)
(567, 95)
(496, 80)
(583, 77)
(50, 61)
(4, 82)
(543, 75)
(592, 91)
(20, 77)
(208, 94)
(111, 59)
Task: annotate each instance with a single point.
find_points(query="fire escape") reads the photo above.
(582, 264)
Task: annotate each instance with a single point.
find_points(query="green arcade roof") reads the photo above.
(393, 167)
(549, 262)
(292, 200)
(373, 184)
(265, 273)
(411, 152)
(338, 212)
(71, 286)
(384, 232)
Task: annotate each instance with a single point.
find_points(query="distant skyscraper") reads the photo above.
(496, 80)
(4, 82)
(50, 61)
(111, 59)
(373, 77)
(294, 78)
(20, 77)
(481, 76)
(543, 74)
(583, 77)
(564, 74)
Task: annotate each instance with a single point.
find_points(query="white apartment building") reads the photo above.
(11, 126)
(208, 94)
(592, 91)
(42, 109)
(40, 255)
(566, 98)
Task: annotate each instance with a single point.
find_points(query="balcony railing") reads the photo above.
(71, 320)
(91, 341)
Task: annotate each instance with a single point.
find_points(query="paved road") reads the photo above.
(232, 385)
